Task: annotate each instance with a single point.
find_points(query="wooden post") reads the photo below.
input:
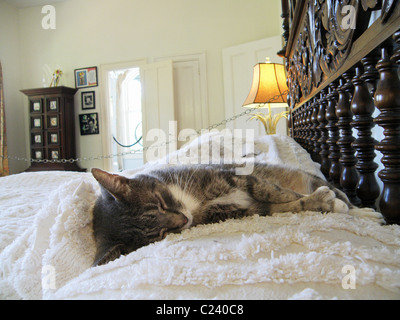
(317, 134)
(387, 100)
(324, 153)
(334, 151)
(363, 107)
(349, 177)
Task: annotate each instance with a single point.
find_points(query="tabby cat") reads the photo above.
(132, 213)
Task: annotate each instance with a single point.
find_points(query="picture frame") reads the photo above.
(52, 121)
(52, 105)
(86, 77)
(37, 154)
(36, 106)
(88, 100)
(89, 123)
(37, 138)
(53, 138)
(36, 122)
(54, 154)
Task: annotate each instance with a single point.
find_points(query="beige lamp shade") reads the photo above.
(269, 85)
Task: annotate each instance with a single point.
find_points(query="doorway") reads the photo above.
(125, 101)
(121, 105)
(137, 97)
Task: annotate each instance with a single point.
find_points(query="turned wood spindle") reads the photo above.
(324, 153)
(294, 125)
(297, 126)
(363, 107)
(370, 74)
(334, 151)
(349, 176)
(310, 135)
(314, 119)
(301, 125)
(304, 126)
(387, 100)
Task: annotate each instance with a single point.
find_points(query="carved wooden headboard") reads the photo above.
(342, 61)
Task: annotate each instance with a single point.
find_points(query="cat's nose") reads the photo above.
(185, 220)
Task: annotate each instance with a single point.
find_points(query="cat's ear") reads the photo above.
(114, 184)
(105, 255)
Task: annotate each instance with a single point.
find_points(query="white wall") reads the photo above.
(94, 32)
(10, 60)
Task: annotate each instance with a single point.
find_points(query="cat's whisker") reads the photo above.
(191, 180)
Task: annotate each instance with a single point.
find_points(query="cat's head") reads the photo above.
(132, 213)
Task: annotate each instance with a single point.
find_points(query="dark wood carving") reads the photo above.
(349, 176)
(341, 20)
(387, 9)
(327, 35)
(363, 107)
(285, 27)
(387, 101)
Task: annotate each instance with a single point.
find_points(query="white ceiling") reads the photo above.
(31, 3)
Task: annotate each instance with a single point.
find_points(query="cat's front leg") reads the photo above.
(264, 191)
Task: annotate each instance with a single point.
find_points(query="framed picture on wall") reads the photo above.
(88, 100)
(89, 123)
(86, 77)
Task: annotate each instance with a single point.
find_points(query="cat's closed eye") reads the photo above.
(149, 207)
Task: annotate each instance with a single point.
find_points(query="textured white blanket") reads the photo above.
(47, 248)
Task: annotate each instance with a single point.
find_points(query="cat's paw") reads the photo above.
(323, 194)
(339, 206)
(324, 199)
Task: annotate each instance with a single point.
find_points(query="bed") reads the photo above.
(47, 246)
(46, 241)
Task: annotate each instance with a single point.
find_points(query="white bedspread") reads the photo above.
(46, 248)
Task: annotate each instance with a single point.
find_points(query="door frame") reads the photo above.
(106, 135)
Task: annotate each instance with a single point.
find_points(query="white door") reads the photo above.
(158, 104)
(190, 91)
(188, 95)
(238, 63)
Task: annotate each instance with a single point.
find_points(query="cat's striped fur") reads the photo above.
(132, 213)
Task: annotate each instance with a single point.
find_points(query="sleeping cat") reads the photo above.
(132, 213)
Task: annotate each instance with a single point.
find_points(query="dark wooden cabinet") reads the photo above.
(52, 128)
